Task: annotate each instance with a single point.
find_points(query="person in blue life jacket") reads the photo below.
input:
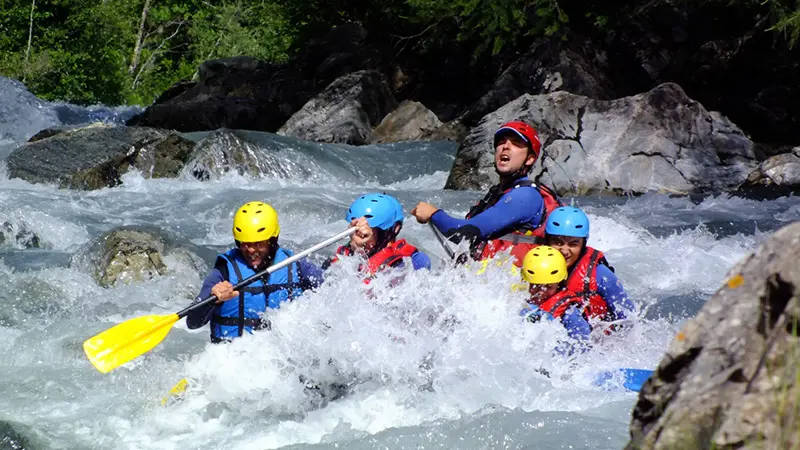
(512, 214)
(590, 277)
(255, 232)
(379, 219)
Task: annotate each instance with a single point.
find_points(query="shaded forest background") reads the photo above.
(128, 52)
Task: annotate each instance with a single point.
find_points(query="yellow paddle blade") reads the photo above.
(126, 341)
(175, 393)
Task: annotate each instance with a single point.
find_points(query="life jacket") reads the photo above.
(582, 280)
(232, 318)
(522, 239)
(389, 256)
(581, 291)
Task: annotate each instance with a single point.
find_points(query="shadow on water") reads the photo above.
(676, 308)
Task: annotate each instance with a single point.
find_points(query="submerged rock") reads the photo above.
(11, 439)
(251, 153)
(731, 377)
(18, 235)
(95, 157)
(133, 254)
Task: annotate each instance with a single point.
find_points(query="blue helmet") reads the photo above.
(399, 215)
(567, 221)
(381, 210)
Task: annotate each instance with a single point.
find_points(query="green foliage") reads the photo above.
(85, 51)
(495, 24)
(789, 26)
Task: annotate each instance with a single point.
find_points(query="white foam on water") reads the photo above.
(440, 359)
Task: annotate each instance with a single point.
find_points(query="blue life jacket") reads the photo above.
(232, 318)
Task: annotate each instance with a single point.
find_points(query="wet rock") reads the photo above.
(11, 439)
(453, 131)
(97, 156)
(731, 377)
(249, 153)
(659, 141)
(779, 170)
(18, 235)
(409, 122)
(345, 112)
(133, 254)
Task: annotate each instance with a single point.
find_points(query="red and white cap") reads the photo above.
(524, 131)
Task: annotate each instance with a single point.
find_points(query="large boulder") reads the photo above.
(779, 170)
(95, 157)
(411, 121)
(345, 112)
(731, 377)
(134, 254)
(660, 141)
(246, 93)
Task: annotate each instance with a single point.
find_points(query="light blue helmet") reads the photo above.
(381, 210)
(399, 215)
(567, 221)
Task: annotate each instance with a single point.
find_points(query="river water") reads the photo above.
(440, 361)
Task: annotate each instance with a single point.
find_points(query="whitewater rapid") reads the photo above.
(442, 361)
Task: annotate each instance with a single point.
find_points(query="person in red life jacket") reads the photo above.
(590, 275)
(512, 214)
(379, 219)
(255, 232)
(545, 269)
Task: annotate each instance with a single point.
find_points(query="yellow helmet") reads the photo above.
(255, 222)
(544, 265)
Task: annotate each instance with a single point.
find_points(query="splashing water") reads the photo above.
(443, 360)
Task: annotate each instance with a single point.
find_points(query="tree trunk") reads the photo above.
(30, 40)
(137, 49)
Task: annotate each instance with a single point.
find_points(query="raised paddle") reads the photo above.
(133, 338)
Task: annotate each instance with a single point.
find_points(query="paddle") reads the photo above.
(131, 339)
(633, 378)
(175, 393)
(442, 241)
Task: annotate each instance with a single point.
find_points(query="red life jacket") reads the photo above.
(520, 241)
(582, 281)
(581, 289)
(558, 304)
(388, 256)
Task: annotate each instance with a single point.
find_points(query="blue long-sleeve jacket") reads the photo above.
(420, 260)
(610, 288)
(310, 277)
(518, 208)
